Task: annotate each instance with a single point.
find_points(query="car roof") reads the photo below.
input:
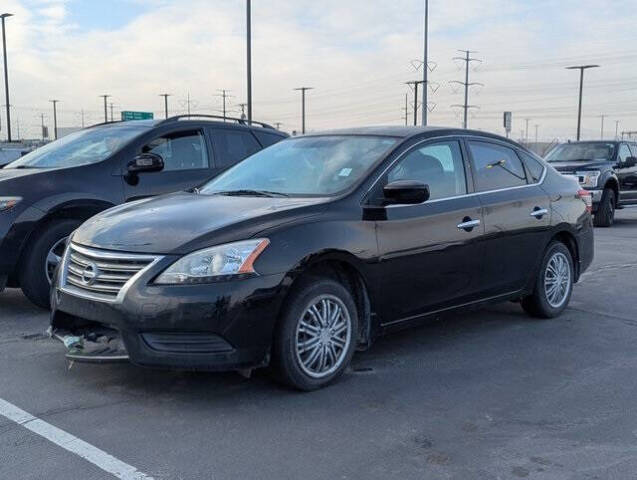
(406, 132)
(148, 124)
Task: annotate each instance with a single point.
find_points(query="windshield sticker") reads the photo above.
(345, 172)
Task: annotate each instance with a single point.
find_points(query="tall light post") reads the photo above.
(425, 68)
(105, 97)
(581, 69)
(55, 119)
(303, 90)
(6, 75)
(249, 56)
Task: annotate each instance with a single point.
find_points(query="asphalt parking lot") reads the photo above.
(491, 394)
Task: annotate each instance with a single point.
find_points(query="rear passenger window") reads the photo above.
(438, 165)
(496, 166)
(232, 146)
(267, 138)
(534, 166)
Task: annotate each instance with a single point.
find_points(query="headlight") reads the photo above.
(588, 178)
(209, 264)
(7, 203)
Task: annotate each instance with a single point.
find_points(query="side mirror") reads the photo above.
(146, 162)
(407, 192)
(629, 162)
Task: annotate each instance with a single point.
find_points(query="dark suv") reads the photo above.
(49, 192)
(607, 169)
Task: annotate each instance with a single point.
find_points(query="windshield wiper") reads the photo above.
(252, 193)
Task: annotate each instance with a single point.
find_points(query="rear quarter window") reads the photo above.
(267, 138)
(533, 165)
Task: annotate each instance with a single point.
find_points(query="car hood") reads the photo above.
(183, 222)
(571, 166)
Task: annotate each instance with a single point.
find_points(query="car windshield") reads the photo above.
(79, 148)
(585, 152)
(305, 166)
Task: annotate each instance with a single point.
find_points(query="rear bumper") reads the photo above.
(219, 326)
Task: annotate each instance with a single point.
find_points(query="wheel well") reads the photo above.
(78, 211)
(612, 183)
(569, 240)
(351, 278)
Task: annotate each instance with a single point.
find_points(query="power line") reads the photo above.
(224, 95)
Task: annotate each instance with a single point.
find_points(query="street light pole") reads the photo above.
(424, 68)
(6, 75)
(55, 119)
(581, 69)
(249, 56)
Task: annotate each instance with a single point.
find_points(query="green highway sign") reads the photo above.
(128, 115)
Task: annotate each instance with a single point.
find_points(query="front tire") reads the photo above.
(316, 336)
(553, 285)
(605, 215)
(41, 258)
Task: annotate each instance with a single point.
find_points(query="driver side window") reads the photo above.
(180, 150)
(624, 152)
(438, 165)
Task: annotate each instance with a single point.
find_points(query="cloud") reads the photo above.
(356, 54)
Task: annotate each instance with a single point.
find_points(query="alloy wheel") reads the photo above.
(53, 258)
(557, 279)
(323, 336)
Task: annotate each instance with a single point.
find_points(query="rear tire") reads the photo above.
(33, 277)
(605, 215)
(316, 335)
(553, 285)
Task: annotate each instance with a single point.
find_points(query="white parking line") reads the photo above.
(69, 442)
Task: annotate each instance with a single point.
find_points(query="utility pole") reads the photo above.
(278, 125)
(111, 107)
(425, 68)
(242, 106)
(526, 130)
(415, 83)
(602, 130)
(224, 95)
(249, 57)
(406, 109)
(536, 127)
(105, 97)
(42, 125)
(581, 69)
(165, 95)
(6, 75)
(467, 59)
(55, 119)
(302, 90)
(82, 113)
(616, 129)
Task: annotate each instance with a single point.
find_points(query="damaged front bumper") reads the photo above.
(92, 345)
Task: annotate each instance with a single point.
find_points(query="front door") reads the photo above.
(187, 164)
(517, 217)
(430, 253)
(627, 173)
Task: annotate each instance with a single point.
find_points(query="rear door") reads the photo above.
(430, 253)
(187, 163)
(627, 174)
(517, 215)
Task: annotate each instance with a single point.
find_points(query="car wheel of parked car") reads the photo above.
(605, 215)
(554, 283)
(316, 337)
(41, 258)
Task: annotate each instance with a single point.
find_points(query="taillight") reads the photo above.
(586, 197)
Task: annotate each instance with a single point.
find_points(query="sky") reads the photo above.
(356, 54)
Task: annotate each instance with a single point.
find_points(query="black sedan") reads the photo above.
(311, 248)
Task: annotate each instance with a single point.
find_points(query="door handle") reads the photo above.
(539, 212)
(468, 224)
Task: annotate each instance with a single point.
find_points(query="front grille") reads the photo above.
(101, 274)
